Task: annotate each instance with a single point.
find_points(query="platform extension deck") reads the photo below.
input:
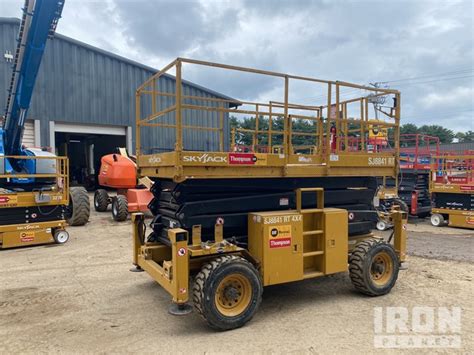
(351, 137)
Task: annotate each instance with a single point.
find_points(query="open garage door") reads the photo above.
(84, 146)
(28, 134)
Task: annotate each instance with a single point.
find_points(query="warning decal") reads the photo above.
(283, 231)
(8, 200)
(280, 236)
(280, 242)
(26, 237)
(247, 159)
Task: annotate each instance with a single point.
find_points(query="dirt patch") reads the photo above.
(81, 298)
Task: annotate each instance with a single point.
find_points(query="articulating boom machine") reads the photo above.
(119, 171)
(274, 209)
(35, 200)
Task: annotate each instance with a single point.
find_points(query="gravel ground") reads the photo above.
(81, 298)
(440, 243)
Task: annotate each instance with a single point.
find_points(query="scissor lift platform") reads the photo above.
(339, 134)
(452, 190)
(226, 181)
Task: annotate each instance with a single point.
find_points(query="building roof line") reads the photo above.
(16, 21)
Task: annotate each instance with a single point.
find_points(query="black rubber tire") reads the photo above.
(360, 263)
(401, 203)
(101, 200)
(120, 208)
(79, 206)
(205, 287)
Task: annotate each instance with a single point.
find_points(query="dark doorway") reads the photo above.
(84, 152)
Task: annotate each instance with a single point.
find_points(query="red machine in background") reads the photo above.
(119, 171)
(416, 151)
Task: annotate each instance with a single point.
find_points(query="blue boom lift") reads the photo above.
(35, 198)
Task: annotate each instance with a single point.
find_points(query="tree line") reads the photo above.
(445, 135)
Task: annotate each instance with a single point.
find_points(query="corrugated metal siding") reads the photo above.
(157, 139)
(80, 84)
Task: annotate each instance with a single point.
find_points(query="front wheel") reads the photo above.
(227, 292)
(120, 208)
(373, 267)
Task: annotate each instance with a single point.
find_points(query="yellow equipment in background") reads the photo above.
(39, 215)
(452, 190)
(386, 202)
(378, 136)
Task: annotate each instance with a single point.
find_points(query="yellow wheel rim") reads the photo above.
(233, 295)
(381, 269)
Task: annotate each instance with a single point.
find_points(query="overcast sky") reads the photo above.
(423, 48)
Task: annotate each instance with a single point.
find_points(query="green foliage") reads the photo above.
(445, 135)
(408, 128)
(246, 138)
(465, 137)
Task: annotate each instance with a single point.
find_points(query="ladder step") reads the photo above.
(311, 274)
(313, 253)
(312, 210)
(315, 232)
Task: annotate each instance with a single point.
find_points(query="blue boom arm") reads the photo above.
(39, 21)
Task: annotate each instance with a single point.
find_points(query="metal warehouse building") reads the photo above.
(84, 102)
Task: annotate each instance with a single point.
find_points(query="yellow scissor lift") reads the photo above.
(452, 190)
(39, 215)
(297, 240)
(24, 224)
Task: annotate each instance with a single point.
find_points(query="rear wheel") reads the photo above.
(101, 200)
(120, 208)
(61, 236)
(373, 267)
(227, 292)
(381, 225)
(79, 207)
(437, 219)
